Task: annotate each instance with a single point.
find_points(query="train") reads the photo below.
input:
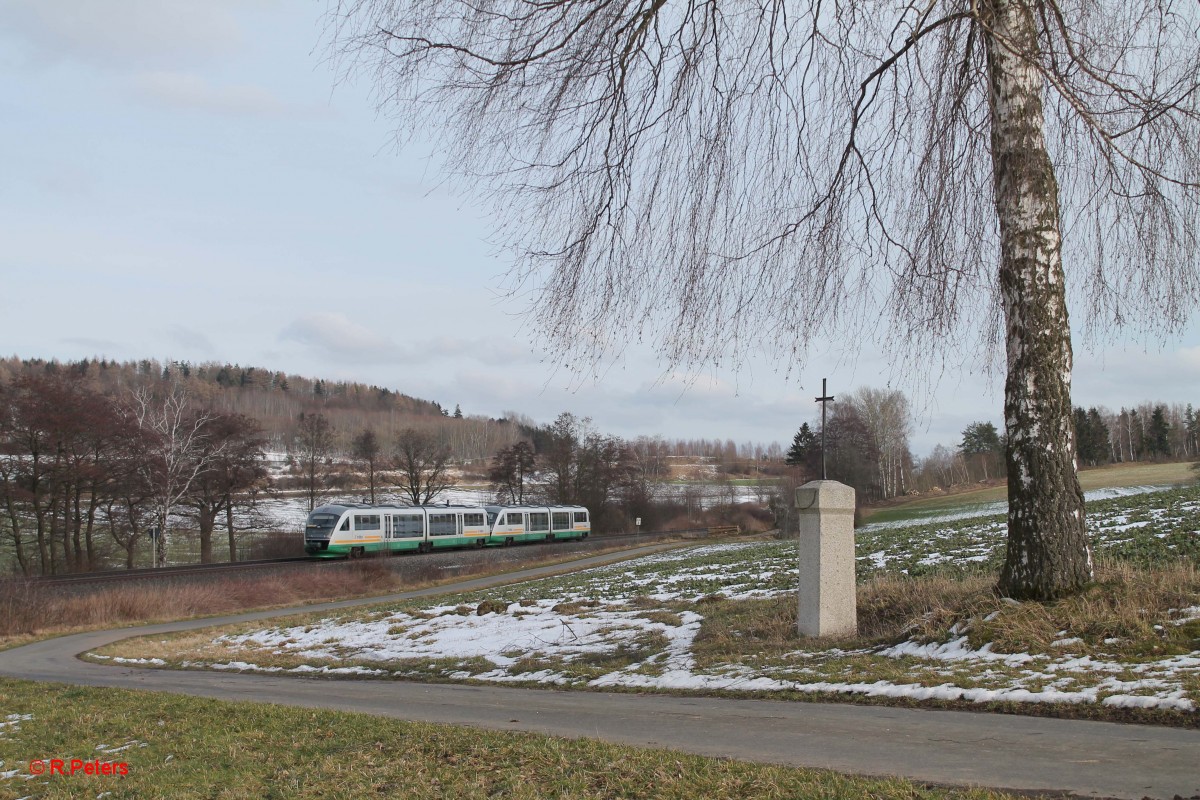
(352, 530)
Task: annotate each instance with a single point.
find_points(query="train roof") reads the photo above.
(529, 507)
(341, 507)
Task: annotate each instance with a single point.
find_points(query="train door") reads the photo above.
(514, 526)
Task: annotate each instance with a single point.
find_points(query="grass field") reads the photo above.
(1106, 477)
(180, 747)
(720, 618)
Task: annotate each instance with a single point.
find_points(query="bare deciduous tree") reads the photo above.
(179, 447)
(695, 173)
(313, 441)
(423, 462)
(885, 413)
(366, 448)
(511, 471)
(222, 486)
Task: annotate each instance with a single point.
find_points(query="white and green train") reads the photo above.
(340, 530)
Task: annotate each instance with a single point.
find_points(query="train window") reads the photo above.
(492, 517)
(408, 526)
(561, 520)
(514, 519)
(539, 521)
(366, 522)
(320, 524)
(443, 524)
(345, 526)
(581, 516)
(472, 519)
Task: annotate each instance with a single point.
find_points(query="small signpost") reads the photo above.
(154, 534)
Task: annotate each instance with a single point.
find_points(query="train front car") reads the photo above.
(319, 529)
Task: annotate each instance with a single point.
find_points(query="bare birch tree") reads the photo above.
(885, 413)
(177, 451)
(694, 173)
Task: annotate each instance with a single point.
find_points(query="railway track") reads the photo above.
(399, 562)
(161, 573)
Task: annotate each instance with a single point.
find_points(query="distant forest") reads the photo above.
(103, 461)
(276, 399)
(98, 458)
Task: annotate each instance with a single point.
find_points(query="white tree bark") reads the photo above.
(177, 456)
(1048, 552)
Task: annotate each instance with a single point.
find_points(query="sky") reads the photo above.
(194, 181)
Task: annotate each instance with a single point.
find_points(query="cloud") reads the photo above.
(106, 347)
(68, 180)
(191, 92)
(1127, 376)
(137, 34)
(335, 336)
(488, 351)
(190, 339)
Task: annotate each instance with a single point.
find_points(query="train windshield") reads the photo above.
(320, 525)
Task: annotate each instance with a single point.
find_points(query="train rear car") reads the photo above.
(350, 530)
(514, 524)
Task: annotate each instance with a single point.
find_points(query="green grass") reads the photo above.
(1110, 476)
(186, 748)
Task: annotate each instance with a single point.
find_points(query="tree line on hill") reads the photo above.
(276, 399)
(867, 444)
(100, 459)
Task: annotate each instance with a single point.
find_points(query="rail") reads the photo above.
(113, 575)
(221, 567)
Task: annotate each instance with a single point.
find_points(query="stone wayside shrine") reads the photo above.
(828, 602)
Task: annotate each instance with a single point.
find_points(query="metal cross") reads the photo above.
(824, 400)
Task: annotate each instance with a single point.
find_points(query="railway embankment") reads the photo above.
(36, 607)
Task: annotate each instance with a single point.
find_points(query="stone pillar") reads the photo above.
(828, 603)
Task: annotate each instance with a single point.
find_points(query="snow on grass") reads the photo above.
(12, 723)
(1141, 523)
(502, 638)
(1001, 507)
(493, 647)
(634, 625)
(152, 662)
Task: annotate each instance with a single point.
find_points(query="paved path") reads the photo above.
(1027, 753)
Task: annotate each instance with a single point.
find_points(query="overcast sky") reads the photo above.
(188, 180)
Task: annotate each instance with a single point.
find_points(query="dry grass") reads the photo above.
(1123, 613)
(1126, 613)
(30, 609)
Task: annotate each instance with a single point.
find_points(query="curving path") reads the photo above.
(1095, 759)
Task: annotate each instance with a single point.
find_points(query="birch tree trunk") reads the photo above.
(1048, 552)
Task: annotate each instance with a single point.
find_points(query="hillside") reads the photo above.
(275, 399)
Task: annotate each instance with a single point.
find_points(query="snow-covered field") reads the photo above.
(636, 624)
